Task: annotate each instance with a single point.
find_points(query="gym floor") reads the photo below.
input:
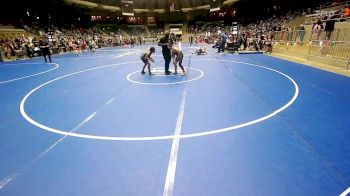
(234, 125)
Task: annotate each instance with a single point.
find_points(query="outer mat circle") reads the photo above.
(29, 76)
(197, 134)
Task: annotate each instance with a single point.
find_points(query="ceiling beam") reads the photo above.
(116, 8)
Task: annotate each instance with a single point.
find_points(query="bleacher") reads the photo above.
(11, 32)
(323, 12)
(330, 6)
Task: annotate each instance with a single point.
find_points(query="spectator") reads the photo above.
(244, 41)
(302, 33)
(45, 50)
(223, 40)
(268, 44)
(191, 40)
(347, 11)
(29, 50)
(330, 23)
(317, 29)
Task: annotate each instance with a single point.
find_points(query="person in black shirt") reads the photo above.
(301, 33)
(132, 41)
(191, 40)
(45, 50)
(223, 40)
(244, 41)
(164, 42)
(330, 23)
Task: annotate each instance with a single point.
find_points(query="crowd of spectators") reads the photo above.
(324, 21)
(255, 36)
(63, 40)
(19, 47)
(261, 35)
(136, 35)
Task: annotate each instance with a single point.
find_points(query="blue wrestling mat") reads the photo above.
(234, 125)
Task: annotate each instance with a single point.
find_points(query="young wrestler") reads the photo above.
(201, 51)
(146, 58)
(178, 56)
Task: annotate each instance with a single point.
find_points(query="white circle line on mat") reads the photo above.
(32, 75)
(165, 137)
(165, 83)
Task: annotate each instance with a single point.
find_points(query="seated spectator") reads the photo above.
(347, 11)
